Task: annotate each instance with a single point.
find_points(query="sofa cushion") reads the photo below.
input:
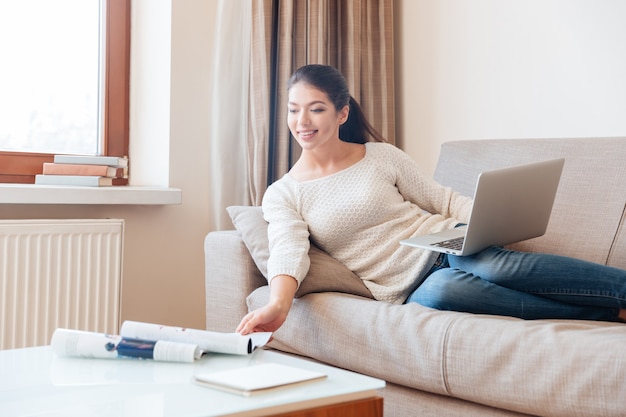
(593, 182)
(326, 274)
(537, 367)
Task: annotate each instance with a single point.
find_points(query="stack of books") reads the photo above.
(84, 170)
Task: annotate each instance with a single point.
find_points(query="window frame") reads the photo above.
(21, 167)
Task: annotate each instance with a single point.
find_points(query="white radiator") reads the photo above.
(58, 273)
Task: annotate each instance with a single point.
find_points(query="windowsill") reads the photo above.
(119, 195)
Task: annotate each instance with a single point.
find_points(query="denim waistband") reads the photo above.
(440, 263)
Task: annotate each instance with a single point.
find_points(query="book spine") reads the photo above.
(79, 169)
(113, 161)
(81, 180)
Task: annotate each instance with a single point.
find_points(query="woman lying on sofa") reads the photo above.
(356, 197)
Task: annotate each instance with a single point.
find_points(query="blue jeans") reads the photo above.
(525, 285)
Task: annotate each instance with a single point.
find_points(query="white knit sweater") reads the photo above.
(358, 216)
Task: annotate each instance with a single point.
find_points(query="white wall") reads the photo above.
(478, 69)
(150, 92)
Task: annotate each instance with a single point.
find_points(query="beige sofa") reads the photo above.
(439, 363)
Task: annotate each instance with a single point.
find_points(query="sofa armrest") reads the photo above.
(230, 275)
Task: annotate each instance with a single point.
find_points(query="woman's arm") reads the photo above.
(270, 317)
(288, 262)
(425, 192)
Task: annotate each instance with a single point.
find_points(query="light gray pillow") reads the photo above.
(326, 274)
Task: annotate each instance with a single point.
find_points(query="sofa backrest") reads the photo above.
(589, 214)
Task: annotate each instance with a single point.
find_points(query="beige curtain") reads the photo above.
(355, 36)
(228, 119)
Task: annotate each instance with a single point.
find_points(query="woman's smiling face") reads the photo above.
(313, 119)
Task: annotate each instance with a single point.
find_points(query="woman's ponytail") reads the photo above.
(357, 129)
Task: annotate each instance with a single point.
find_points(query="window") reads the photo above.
(19, 166)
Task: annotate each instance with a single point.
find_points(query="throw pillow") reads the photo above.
(326, 274)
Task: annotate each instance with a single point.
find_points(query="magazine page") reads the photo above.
(208, 341)
(78, 343)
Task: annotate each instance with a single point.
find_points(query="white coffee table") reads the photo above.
(36, 382)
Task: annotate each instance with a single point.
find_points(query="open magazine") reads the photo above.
(154, 341)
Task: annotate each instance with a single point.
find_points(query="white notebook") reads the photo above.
(257, 379)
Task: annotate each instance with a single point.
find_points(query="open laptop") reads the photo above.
(510, 205)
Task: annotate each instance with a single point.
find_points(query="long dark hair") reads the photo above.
(329, 80)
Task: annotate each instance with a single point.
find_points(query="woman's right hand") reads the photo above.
(270, 317)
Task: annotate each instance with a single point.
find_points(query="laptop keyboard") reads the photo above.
(454, 244)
